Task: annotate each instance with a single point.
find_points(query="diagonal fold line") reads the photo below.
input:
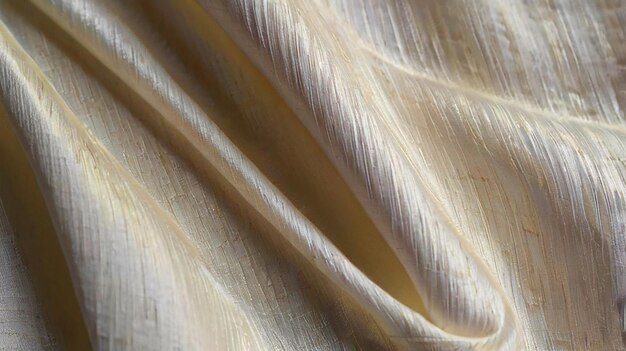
(329, 87)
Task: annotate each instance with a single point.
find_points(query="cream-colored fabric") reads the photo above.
(312, 174)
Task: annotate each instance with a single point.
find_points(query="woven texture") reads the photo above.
(312, 174)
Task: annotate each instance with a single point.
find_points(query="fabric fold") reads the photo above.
(346, 120)
(200, 134)
(139, 72)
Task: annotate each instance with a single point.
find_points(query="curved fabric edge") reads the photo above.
(109, 40)
(330, 89)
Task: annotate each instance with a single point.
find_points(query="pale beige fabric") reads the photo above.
(312, 174)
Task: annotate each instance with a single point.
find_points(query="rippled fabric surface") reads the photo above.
(312, 175)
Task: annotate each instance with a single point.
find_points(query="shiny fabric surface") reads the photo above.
(312, 175)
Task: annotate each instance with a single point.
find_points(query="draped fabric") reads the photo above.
(312, 174)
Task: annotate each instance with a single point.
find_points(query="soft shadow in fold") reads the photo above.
(37, 242)
(267, 132)
(263, 128)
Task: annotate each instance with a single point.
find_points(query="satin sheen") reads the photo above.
(312, 175)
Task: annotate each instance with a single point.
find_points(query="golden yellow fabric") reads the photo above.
(312, 174)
